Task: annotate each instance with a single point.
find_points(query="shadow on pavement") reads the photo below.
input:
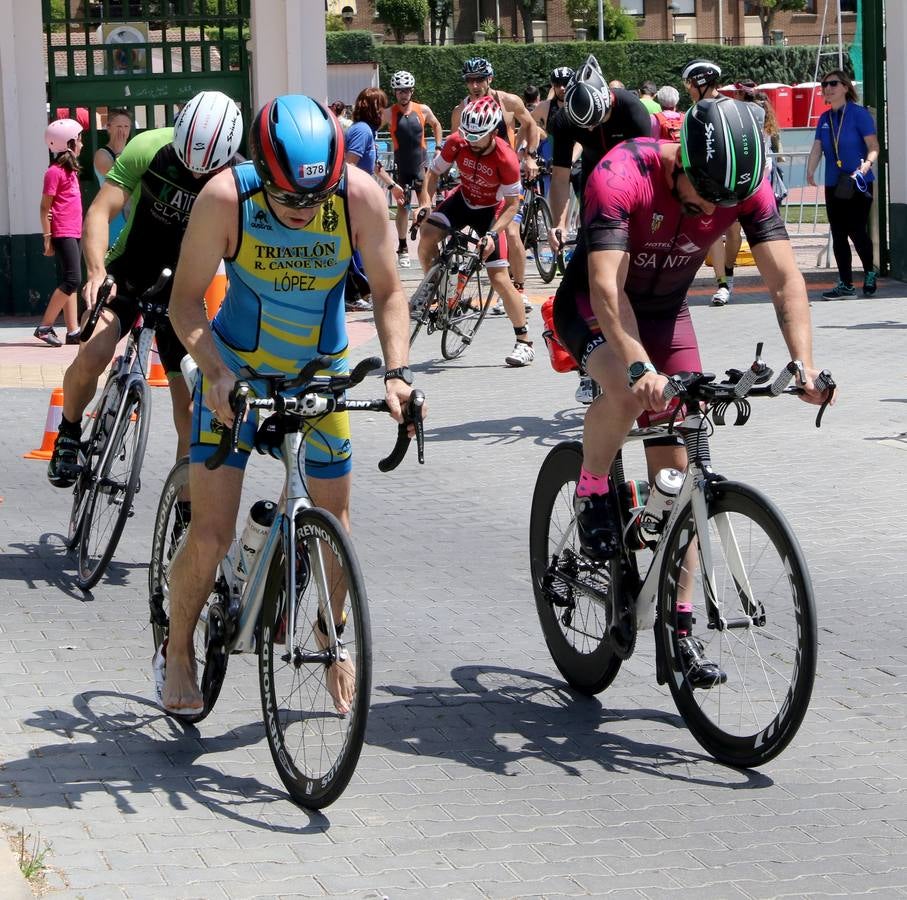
(545, 432)
(865, 326)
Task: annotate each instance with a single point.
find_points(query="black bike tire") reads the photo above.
(589, 673)
(767, 741)
(136, 401)
(540, 207)
(214, 670)
(449, 349)
(321, 791)
(434, 273)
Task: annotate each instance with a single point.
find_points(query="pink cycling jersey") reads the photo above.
(628, 205)
(484, 179)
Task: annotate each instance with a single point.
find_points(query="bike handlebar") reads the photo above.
(103, 296)
(321, 394)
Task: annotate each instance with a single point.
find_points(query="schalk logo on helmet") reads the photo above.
(709, 141)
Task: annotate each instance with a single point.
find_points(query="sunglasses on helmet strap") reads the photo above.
(300, 200)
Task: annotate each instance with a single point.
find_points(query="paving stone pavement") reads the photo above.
(483, 776)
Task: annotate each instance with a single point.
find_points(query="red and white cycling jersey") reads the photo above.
(483, 179)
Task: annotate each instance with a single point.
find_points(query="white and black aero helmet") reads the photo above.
(701, 72)
(207, 132)
(400, 81)
(721, 150)
(588, 97)
(561, 75)
(477, 67)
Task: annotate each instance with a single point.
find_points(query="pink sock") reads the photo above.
(591, 484)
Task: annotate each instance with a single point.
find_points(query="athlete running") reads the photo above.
(159, 173)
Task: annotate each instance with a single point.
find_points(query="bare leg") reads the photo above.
(80, 380)
(513, 302)
(516, 253)
(215, 503)
(716, 253)
(733, 238)
(430, 238)
(65, 303)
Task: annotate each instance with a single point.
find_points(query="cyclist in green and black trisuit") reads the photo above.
(160, 173)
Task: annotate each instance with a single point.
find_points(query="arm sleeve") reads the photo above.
(760, 218)
(609, 200)
(133, 162)
(445, 159)
(51, 181)
(357, 139)
(865, 123)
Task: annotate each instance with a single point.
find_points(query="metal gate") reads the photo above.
(147, 56)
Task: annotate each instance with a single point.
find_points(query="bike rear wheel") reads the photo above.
(545, 260)
(171, 525)
(463, 319)
(569, 589)
(768, 648)
(114, 482)
(315, 749)
(423, 303)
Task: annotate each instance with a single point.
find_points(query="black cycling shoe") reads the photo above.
(63, 468)
(699, 670)
(595, 525)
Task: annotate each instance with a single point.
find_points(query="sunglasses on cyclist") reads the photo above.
(475, 79)
(710, 190)
(300, 200)
(474, 138)
(832, 82)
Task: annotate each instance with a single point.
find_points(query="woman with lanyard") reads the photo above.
(846, 135)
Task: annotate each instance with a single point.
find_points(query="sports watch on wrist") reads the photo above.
(637, 369)
(404, 373)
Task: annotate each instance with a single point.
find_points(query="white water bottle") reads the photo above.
(662, 494)
(258, 524)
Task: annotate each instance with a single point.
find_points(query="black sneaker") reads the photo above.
(74, 337)
(869, 282)
(595, 525)
(699, 670)
(47, 334)
(63, 468)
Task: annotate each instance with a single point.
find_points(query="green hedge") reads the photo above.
(437, 70)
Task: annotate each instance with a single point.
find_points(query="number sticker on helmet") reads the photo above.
(310, 169)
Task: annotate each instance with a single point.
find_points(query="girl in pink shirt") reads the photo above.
(61, 225)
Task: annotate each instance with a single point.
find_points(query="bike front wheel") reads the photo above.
(315, 748)
(545, 260)
(571, 592)
(761, 632)
(464, 315)
(114, 482)
(171, 525)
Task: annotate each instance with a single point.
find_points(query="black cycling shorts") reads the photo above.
(411, 181)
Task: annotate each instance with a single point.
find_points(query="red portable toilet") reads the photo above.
(729, 90)
(781, 98)
(807, 104)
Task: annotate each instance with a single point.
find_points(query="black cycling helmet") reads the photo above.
(588, 97)
(721, 150)
(702, 72)
(477, 67)
(561, 75)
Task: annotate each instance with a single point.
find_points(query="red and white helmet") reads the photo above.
(207, 132)
(59, 133)
(479, 118)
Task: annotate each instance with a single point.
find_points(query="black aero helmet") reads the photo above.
(561, 75)
(477, 67)
(701, 72)
(721, 150)
(588, 97)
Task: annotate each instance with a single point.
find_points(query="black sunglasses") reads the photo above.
(832, 82)
(300, 201)
(710, 190)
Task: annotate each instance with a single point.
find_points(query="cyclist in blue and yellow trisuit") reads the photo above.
(286, 223)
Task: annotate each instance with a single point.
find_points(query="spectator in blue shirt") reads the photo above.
(846, 136)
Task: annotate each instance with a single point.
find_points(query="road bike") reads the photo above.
(110, 458)
(308, 556)
(454, 296)
(724, 547)
(535, 224)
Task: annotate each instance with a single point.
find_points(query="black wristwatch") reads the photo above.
(637, 369)
(533, 153)
(404, 373)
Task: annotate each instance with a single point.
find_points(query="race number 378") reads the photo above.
(309, 169)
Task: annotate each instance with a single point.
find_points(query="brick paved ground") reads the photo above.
(483, 776)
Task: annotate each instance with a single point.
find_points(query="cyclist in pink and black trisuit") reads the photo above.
(486, 200)
(651, 211)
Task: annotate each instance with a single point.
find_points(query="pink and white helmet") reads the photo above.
(59, 133)
(207, 132)
(479, 118)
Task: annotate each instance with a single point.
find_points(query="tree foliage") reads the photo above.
(768, 9)
(402, 17)
(618, 25)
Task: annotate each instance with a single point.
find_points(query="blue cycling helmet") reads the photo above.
(297, 147)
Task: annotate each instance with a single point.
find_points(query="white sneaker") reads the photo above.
(497, 309)
(585, 391)
(721, 296)
(403, 260)
(522, 355)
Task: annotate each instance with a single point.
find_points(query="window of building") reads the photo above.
(633, 7)
(683, 7)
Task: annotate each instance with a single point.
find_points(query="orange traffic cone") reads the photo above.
(214, 296)
(157, 377)
(51, 427)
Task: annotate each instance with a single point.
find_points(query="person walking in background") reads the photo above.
(667, 121)
(846, 136)
(119, 125)
(647, 97)
(772, 133)
(61, 225)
